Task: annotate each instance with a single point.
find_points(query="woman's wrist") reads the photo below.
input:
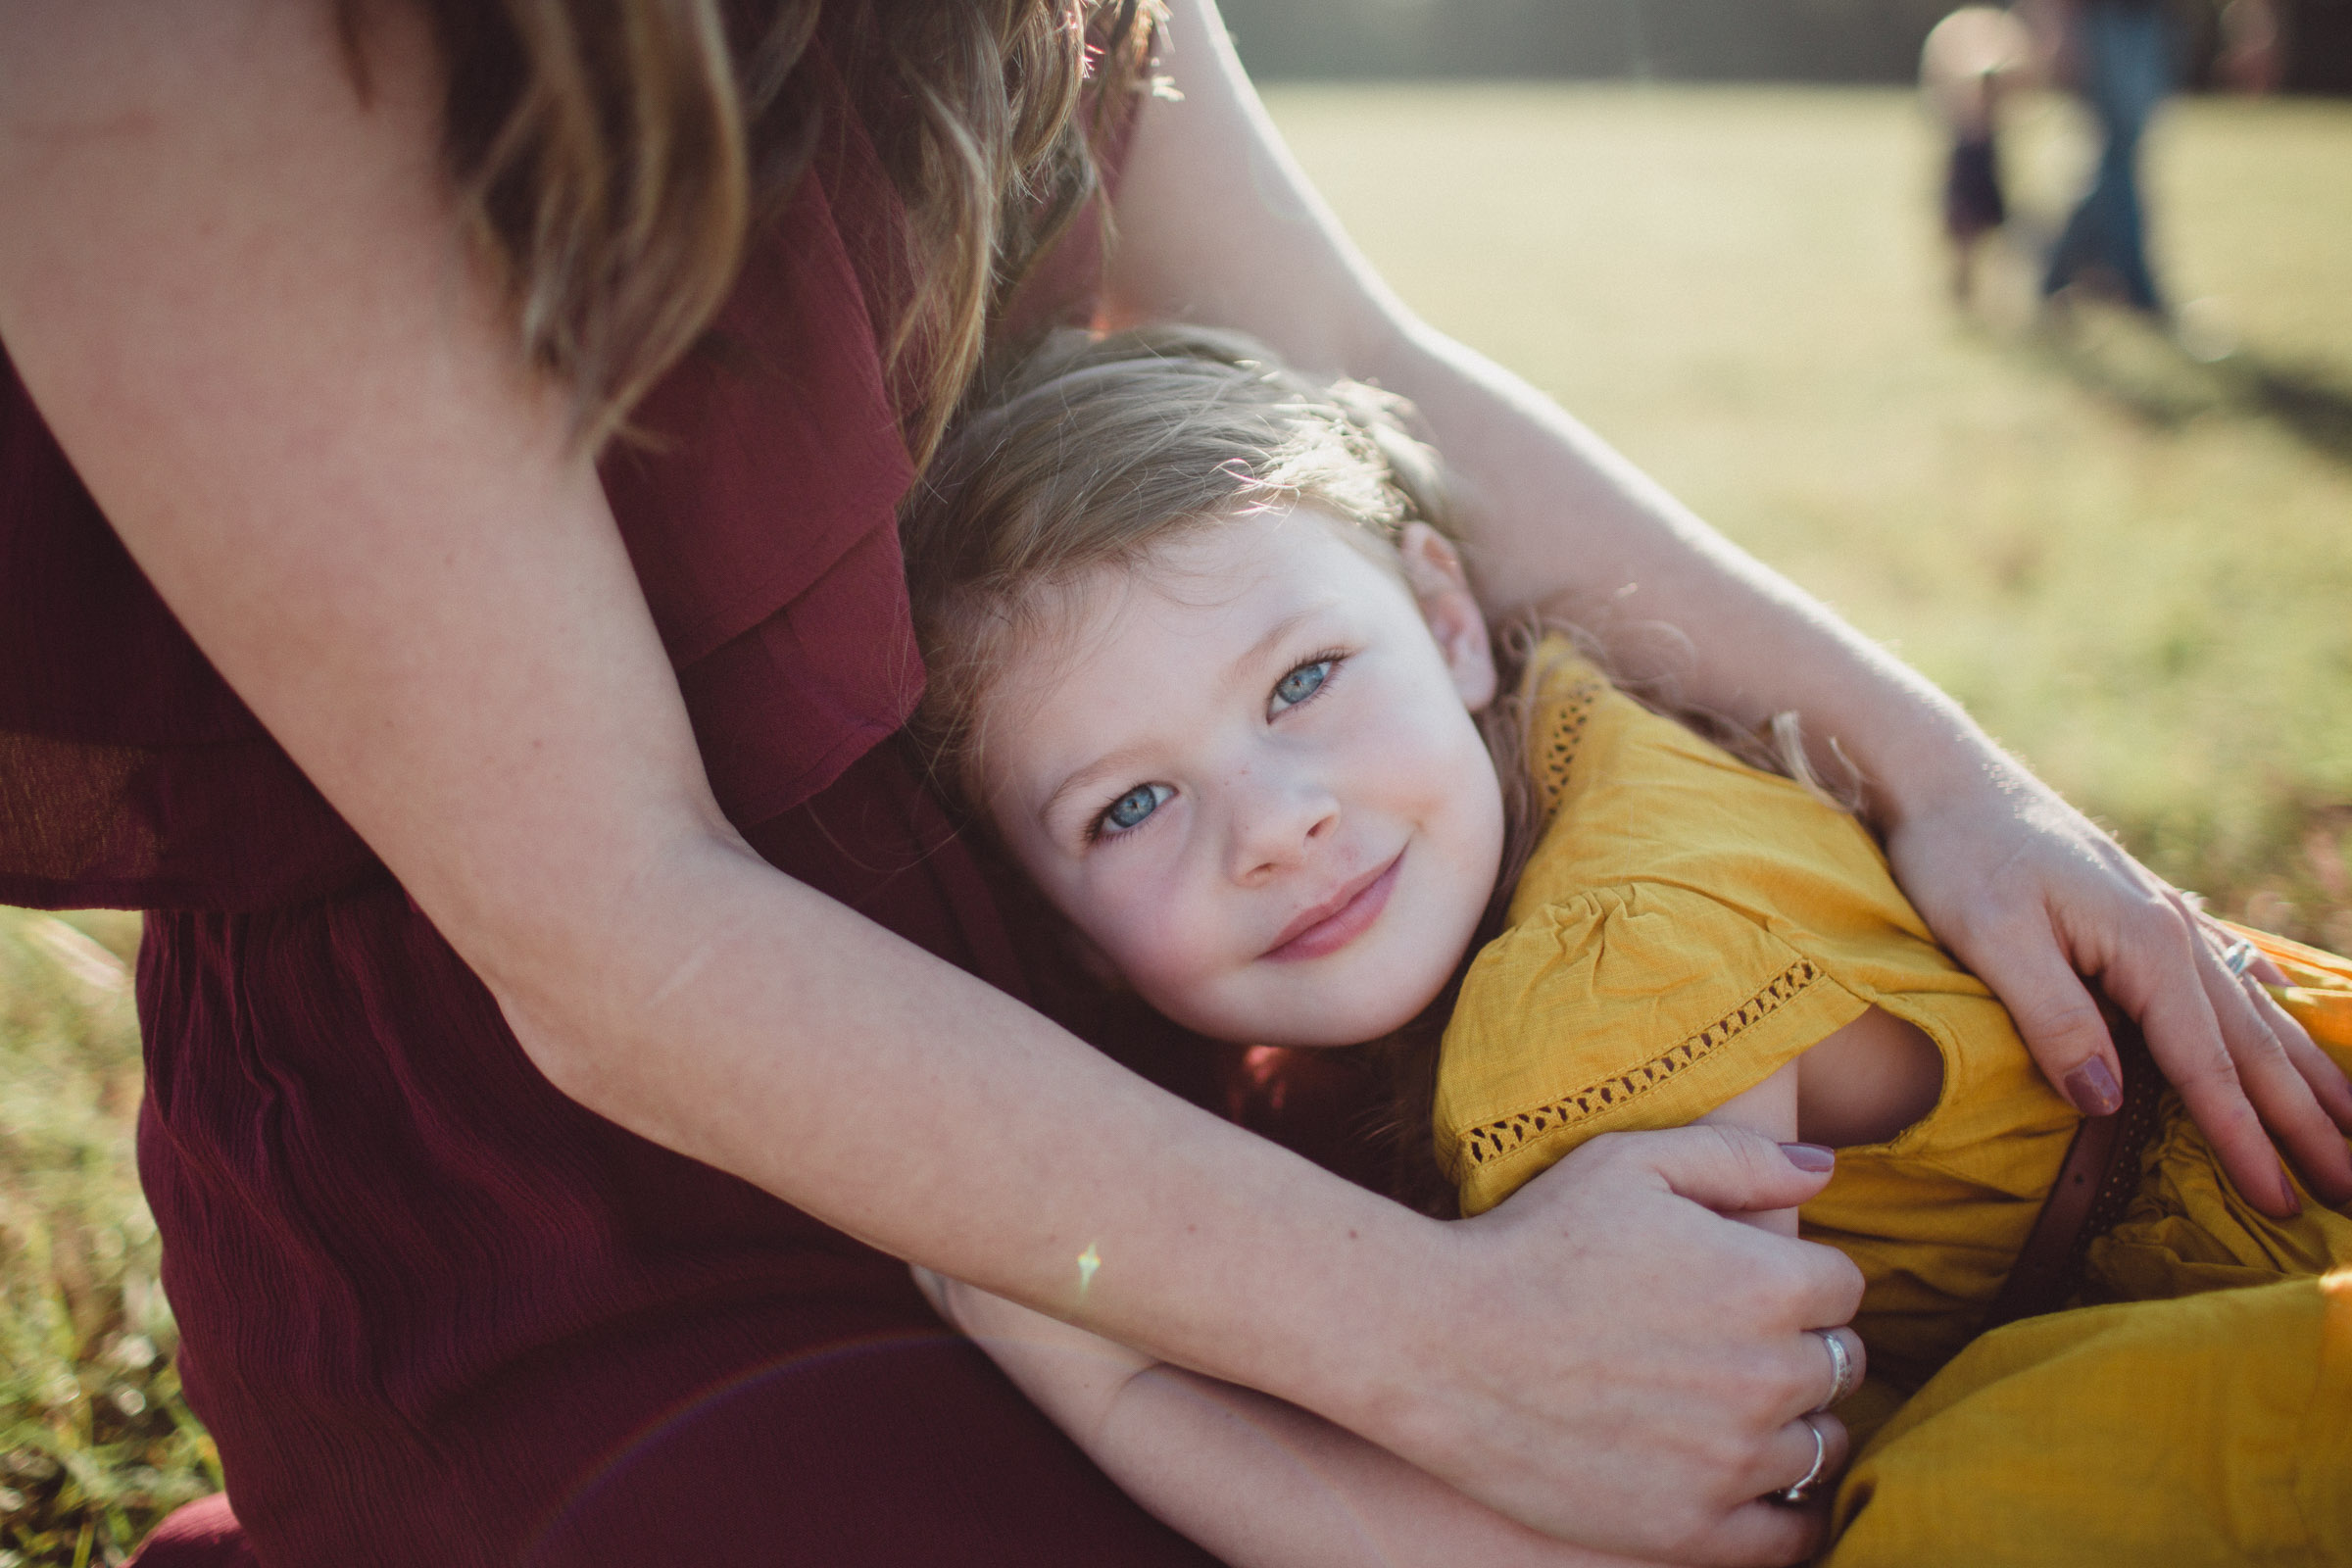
(1398, 1342)
(1916, 753)
(1927, 760)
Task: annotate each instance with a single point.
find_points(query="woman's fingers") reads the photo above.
(1766, 1527)
(1788, 1460)
(2329, 1084)
(2032, 896)
(2281, 1092)
(1758, 1531)
(2168, 980)
(2052, 1010)
(1735, 1172)
(1847, 1364)
(1688, 1341)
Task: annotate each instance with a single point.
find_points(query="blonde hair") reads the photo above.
(614, 154)
(1088, 451)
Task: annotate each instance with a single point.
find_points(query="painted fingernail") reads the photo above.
(1810, 1156)
(2092, 1088)
(2287, 1196)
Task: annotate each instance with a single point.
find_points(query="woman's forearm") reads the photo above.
(895, 1097)
(1259, 1482)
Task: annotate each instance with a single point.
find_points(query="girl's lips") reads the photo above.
(1339, 921)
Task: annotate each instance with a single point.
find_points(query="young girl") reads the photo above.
(1205, 663)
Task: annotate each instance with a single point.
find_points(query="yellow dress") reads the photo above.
(1686, 925)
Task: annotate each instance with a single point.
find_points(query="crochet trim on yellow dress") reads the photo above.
(1488, 1142)
(1564, 732)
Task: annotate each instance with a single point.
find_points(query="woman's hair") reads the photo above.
(1085, 453)
(613, 156)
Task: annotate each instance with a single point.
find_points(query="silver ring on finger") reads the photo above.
(1797, 1496)
(1844, 1376)
(2237, 957)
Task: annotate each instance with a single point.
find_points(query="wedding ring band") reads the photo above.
(1842, 1380)
(2237, 957)
(1797, 1496)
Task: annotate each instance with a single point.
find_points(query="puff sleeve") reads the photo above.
(1635, 1006)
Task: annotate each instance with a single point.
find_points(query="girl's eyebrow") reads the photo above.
(1085, 778)
(1280, 632)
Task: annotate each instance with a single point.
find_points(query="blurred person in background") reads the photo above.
(1971, 60)
(2121, 56)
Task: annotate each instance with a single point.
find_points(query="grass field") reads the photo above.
(94, 1442)
(2134, 566)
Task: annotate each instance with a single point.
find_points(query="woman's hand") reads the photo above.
(1664, 1394)
(1605, 1360)
(2033, 898)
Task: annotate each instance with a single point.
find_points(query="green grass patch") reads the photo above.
(95, 1444)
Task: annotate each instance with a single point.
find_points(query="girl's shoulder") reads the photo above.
(1624, 795)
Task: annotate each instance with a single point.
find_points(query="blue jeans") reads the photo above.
(2128, 68)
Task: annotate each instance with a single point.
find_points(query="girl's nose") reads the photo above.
(1278, 824)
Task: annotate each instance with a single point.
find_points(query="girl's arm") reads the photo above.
(1256, 1482)
(1218, 224)
(237, 292)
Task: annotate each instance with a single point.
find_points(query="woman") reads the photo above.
(468, 1122)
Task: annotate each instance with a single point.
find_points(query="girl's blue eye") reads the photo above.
(1130, 808)
(1299, 684)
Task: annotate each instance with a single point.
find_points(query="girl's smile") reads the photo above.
(1246, 768)
(1338, 920)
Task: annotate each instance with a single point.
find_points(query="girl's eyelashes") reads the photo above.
(1304, 683)
(1128, 813)
(1301, 685)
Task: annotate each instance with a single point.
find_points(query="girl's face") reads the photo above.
(1248, 774)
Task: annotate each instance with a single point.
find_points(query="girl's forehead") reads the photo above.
(1207, 578)
(1094, 646)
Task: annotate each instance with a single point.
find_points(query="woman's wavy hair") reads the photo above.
(613, 156)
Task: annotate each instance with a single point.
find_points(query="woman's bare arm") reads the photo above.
(234, 289)
(1256, 1482)
(1218, 225)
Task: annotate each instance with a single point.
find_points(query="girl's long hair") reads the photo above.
(614, 154)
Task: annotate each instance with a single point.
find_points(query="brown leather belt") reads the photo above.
(2093, 1189)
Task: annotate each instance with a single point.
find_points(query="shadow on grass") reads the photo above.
(2143, 370)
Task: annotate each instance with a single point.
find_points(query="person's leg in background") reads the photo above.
(2126, 52)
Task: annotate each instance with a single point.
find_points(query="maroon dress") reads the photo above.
(434, 1312)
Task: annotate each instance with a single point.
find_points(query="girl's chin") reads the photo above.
(1334, 1028)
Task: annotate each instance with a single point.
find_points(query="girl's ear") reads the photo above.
(1432, 569)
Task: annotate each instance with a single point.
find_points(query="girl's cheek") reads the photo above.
(1162, 939)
